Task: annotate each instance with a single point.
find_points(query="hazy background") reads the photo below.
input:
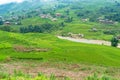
(6, 1)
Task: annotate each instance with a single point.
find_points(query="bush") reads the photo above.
(114, 42)
(41, 28)
(18, 75)
(96, 77)
(110, 32)
(6, 28)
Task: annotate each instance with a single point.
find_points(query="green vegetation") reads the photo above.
(67, 16)
(28, 31)
(58, 50)
(114, 42)
(96, 77)
(21, 76)
(18, 75)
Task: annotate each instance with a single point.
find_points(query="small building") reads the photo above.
(94, 30)
(58, 14)
(43, 16)
(54, 19)
(118, 37)
(85, 20)
(106, 21)
(7, 23)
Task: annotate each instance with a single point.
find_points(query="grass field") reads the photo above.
(42, 52)
(61, 54)
(85, 27)
(58, 50)
(77, 26)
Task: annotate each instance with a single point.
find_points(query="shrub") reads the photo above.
(114, 42)
(96, 77)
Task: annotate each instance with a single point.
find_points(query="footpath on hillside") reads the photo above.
(88, 41)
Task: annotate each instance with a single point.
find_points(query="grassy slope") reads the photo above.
(61, 50)
(85, 29)
(77, 26)
(34, 21)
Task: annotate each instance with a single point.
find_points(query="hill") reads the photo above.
(90, 18)
(58, 50)
(29, 30)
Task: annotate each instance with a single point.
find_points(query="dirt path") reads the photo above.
(82, 40)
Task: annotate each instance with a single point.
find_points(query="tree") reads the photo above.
(62, 24)
(1, 22)
(69, 19)
(23, 30)
(47, 27)
(114, 42)
(30, 28)
(67, 11)
(38, 29)
(6, 28)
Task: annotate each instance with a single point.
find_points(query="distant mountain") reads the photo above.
(10, 7)
(6, 7)
(26, 5)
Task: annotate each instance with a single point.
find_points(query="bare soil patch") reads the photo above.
(73, 71)
(59, 73)
(29, 49)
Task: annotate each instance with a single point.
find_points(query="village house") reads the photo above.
(118, 37)
(58, 14)
(106, 21)
(7, 23)
(15, 17)
(45, 16)
(54, 19)
(94, 30)
(85, 20)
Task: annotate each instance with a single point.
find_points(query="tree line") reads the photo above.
(46, 27)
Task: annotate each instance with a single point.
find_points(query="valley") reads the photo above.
(60, 40)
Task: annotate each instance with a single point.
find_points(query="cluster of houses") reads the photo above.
(9, 21)
(48, 16)
(101, 20)
(106, 21)
(12, 20)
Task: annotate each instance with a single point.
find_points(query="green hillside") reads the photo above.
(59, 50)
(77, 11)
(29, 42)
